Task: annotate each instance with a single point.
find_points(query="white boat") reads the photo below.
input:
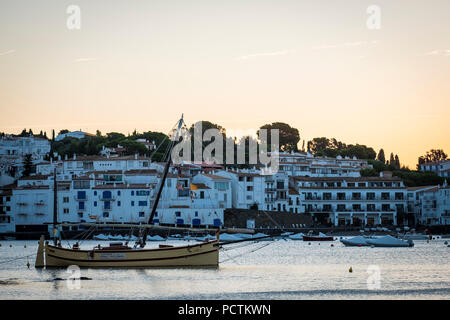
(155, 238)
(389, 241)
(298, 236)
(358, 241)
(414, 236)
(225, 237)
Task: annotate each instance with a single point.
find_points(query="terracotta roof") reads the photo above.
(246, 174)
(141, 172)
(196, 186)
(350, 179)
(123, 186)
(102, 158)
(32, 187)
(36, 177)
(212, 176)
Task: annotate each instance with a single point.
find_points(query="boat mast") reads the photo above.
(55, 208)
(163, 180)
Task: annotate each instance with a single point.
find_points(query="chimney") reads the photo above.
(135, 156)
(74, 156)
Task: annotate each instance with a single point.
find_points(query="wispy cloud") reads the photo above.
(85, 59)
(345, 45)
(266, 54)
(7, 52)
(438, 53)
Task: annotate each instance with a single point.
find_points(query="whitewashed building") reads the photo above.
(306, 164)
(441, 168)
(12, 152)
(431, 204)
(74, 134)
(352, 201)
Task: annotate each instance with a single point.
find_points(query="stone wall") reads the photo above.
(264, 219)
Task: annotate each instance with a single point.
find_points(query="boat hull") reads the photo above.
(313, 238)
(198, 255)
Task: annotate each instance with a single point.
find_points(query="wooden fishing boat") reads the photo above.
(204, 254)
(119, 255)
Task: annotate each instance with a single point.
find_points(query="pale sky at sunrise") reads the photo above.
(241, 64)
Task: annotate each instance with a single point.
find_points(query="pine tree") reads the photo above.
(397, 162)
(27, 165)
(381, 156)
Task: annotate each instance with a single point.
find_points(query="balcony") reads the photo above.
(81, 198)
(107, 198)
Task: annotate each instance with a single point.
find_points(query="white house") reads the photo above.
(74, 134)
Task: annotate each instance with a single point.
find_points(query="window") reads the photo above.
(82, 184)
(65, 199)
(95, 203)
(107, 205)
(107, 195)
(80, 214)
(178, 214)
(142, 203)
(132, 203)
(66, 210)
(118, 203)
(202, 194)
(142, 193)
(95, 193)
(196, 213)
(81, 195)
(221, 185)
(105, 214)
(141, 214)
(81, 205)
(132, 192)
(249, 188)
(370, 195)
(118, 192)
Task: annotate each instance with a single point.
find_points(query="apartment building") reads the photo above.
(431, 204)
(362, 201)
(441, 168)
(306, 164)
(12, 151)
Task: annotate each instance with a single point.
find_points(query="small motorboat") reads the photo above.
(320, 237)
(358, 241)
(298, 236)
(414, 236)
(390, 241)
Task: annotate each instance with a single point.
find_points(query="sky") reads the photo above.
(319, 66)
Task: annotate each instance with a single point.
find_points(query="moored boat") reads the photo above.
(118, 255)
(320, 237)
(389, 241)
(358, 241)
(297, 236)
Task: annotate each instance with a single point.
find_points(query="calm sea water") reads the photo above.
(282, 269)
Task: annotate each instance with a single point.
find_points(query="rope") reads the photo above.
(14, 259)
(248, 252)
